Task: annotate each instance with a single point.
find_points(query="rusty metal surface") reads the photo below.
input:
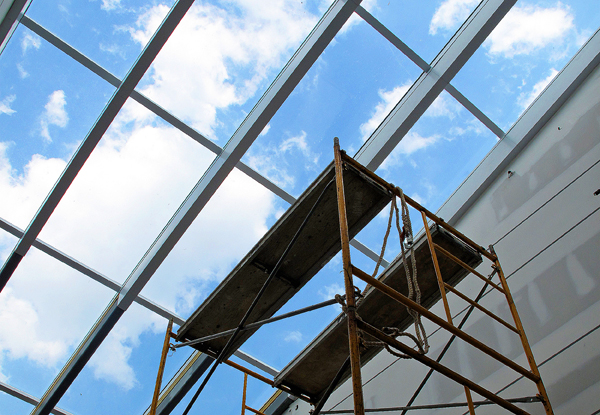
(317, 244)
(314, 368)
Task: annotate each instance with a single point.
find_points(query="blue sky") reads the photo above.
(212, 71)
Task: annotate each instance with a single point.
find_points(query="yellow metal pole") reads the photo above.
(244, 393)
(359, 407)
(442, 287)
(161, 368)
(526, 347)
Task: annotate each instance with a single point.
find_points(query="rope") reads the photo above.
(405, 233)
(411, 278)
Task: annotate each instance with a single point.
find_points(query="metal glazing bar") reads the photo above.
(529, 399)
(115, 286)
(467, 267)
(25, 397)
(251, 127)
(171, 119)
(425, 67)
(523, 130)
(524, 341)
(9, 24)
(480, 307)
(390, 292)
(439, 221)
(430, 84)
(359, 407)
(89, 272)
(367, 328)
(81, 155)
(258, 323)
(161, 368)
(223, 353)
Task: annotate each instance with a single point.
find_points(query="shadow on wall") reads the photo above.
(513, 193)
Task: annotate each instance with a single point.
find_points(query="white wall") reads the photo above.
(545, 225)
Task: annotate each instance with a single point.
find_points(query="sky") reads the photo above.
(210, 74)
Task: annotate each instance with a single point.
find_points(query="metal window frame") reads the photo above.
(430, 84)
(251, 127)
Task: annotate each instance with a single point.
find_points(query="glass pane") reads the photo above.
(430, 162)
(235, 218)
(13, 405)
(424, 26)
(221, 58)
(523, 54)
(48, 103)
(110, 32)
(132, 184)
(48, 307)
(335, 98)
(121, 376)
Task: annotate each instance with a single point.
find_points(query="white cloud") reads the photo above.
(30, 41)
(54, 114)
(217, 58)
(273, 160)
(527, 28)
(411, 143)
(22, 72)
(370, 5)
(134, 181)
(5, 105)
(265, 130)
(444, 106)
(525, 99)
(389, 99)
(109, 5)
(329, 291)
(299, 142)
(450, 14)
(293, 336)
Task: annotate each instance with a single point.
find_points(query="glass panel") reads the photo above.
(230, 224)
(424, 26)
(132, 184)
(222, 57)
(334, 99)
(523, 54)
(430, 162)
(15, 406)
(121, 376)
(110, 32)
(46, 309)
(48, 103)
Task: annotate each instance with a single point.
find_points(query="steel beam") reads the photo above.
(171, 119)
(431, 83)
(523, 130)
(251, 127)
(109, 113)
(25, 397)
(87, 271)
(413, 56)
(10, 20)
